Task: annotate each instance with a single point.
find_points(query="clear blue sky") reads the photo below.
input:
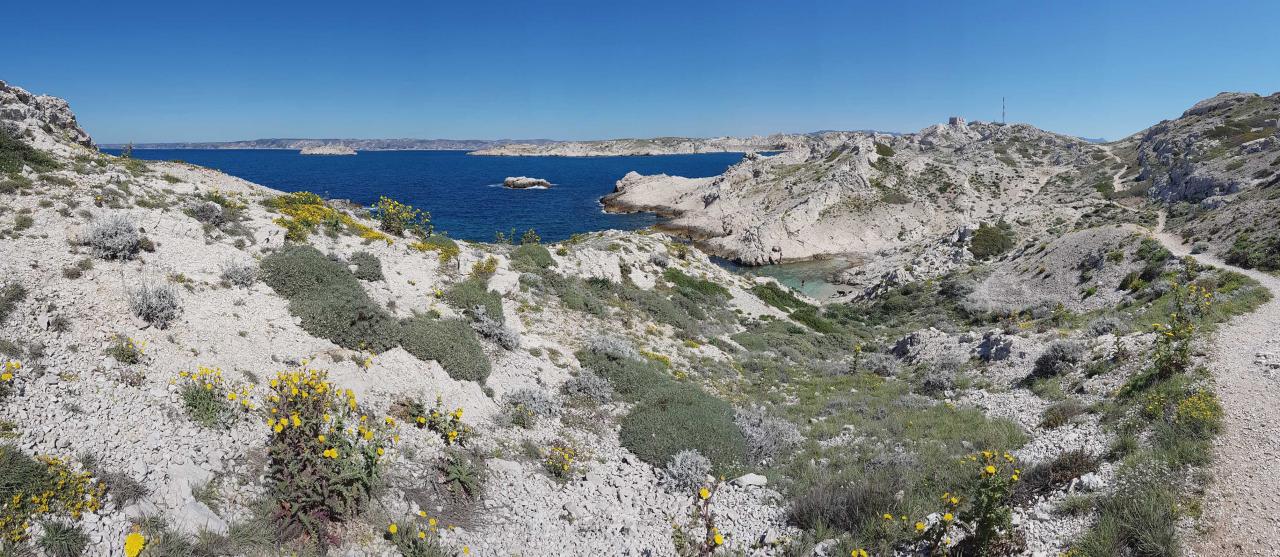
(177, 71)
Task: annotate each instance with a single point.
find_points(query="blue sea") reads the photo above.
(462, 192)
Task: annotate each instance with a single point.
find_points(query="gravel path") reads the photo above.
(1242, 506)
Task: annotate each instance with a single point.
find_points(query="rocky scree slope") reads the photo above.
(858, 193)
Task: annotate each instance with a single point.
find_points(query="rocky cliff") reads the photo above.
(46, 120)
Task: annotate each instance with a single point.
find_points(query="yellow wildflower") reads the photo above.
(704, 493)
(133, 544)
(392, 528)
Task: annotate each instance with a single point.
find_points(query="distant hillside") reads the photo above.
(356, 144)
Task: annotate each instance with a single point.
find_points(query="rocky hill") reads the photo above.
(633, 147)
(355, 144)
(192, 364)
(1217, 167)
(837, 194)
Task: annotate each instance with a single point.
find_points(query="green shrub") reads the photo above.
(1138, 520)
(701, 289)
(451, 342)
(15, 153)
(990, 241)
(468, 294)
(63, 539)
(531, 258)
(328, 299)
(10, 296)
(1061, 413)
(683, 417)
(778, 297)
(631, 378)
(368, 267)
(884, 150)
(1252, 253)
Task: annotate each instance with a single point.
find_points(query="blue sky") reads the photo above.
(180, 71)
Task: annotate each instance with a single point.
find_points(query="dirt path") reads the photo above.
(1242, 505)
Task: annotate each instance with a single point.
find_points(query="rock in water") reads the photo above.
(524, 183)
(327, 150)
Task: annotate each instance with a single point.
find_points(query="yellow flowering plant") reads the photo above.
(8, 375)
(39, 488)
(447, 423)
(417, 536)
(397, 218)
(209, 399)
(305, 211)
(560, 460)
(700, 537)
(324, 453)
(984, 517)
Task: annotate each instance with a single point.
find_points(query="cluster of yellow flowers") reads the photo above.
(448, 424)
(1199, 409)
(7, 373)
(560, 459)
(59, 490)
(306, 406)
(414, 539)
(304, 211)
(445, 251)
(210, 379)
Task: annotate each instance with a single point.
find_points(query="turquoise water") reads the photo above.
(813, 278)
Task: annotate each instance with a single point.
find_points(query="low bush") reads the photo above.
(696, 288)
(531, 258)
(767, 437)
(157, 305)
(304, 212)
(589, 386)
(114, 237)
(682, 417)
(560, 460)
(328, 299)
(1049, 476)
(62, 539)
(1060, 357)
(1251, 253)
(778, 297)
(125, 350)
(686, 471)
(529, 405)
(630, 376)
(10, 296)
(368, 267)
(451, 342)
(76, 271)
(493, 329)
(1061, 413)
(468, 294)
(444, 422)
(989, 241)
(324, 458)
(240, 273)
(1141, 519)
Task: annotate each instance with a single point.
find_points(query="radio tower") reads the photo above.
(1002, 120)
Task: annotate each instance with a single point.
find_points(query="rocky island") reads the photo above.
(327, 150)
(524, 183)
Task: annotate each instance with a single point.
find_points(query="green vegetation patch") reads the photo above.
(329, 300)
(15, 153)
(450, 342)
(990, 241)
